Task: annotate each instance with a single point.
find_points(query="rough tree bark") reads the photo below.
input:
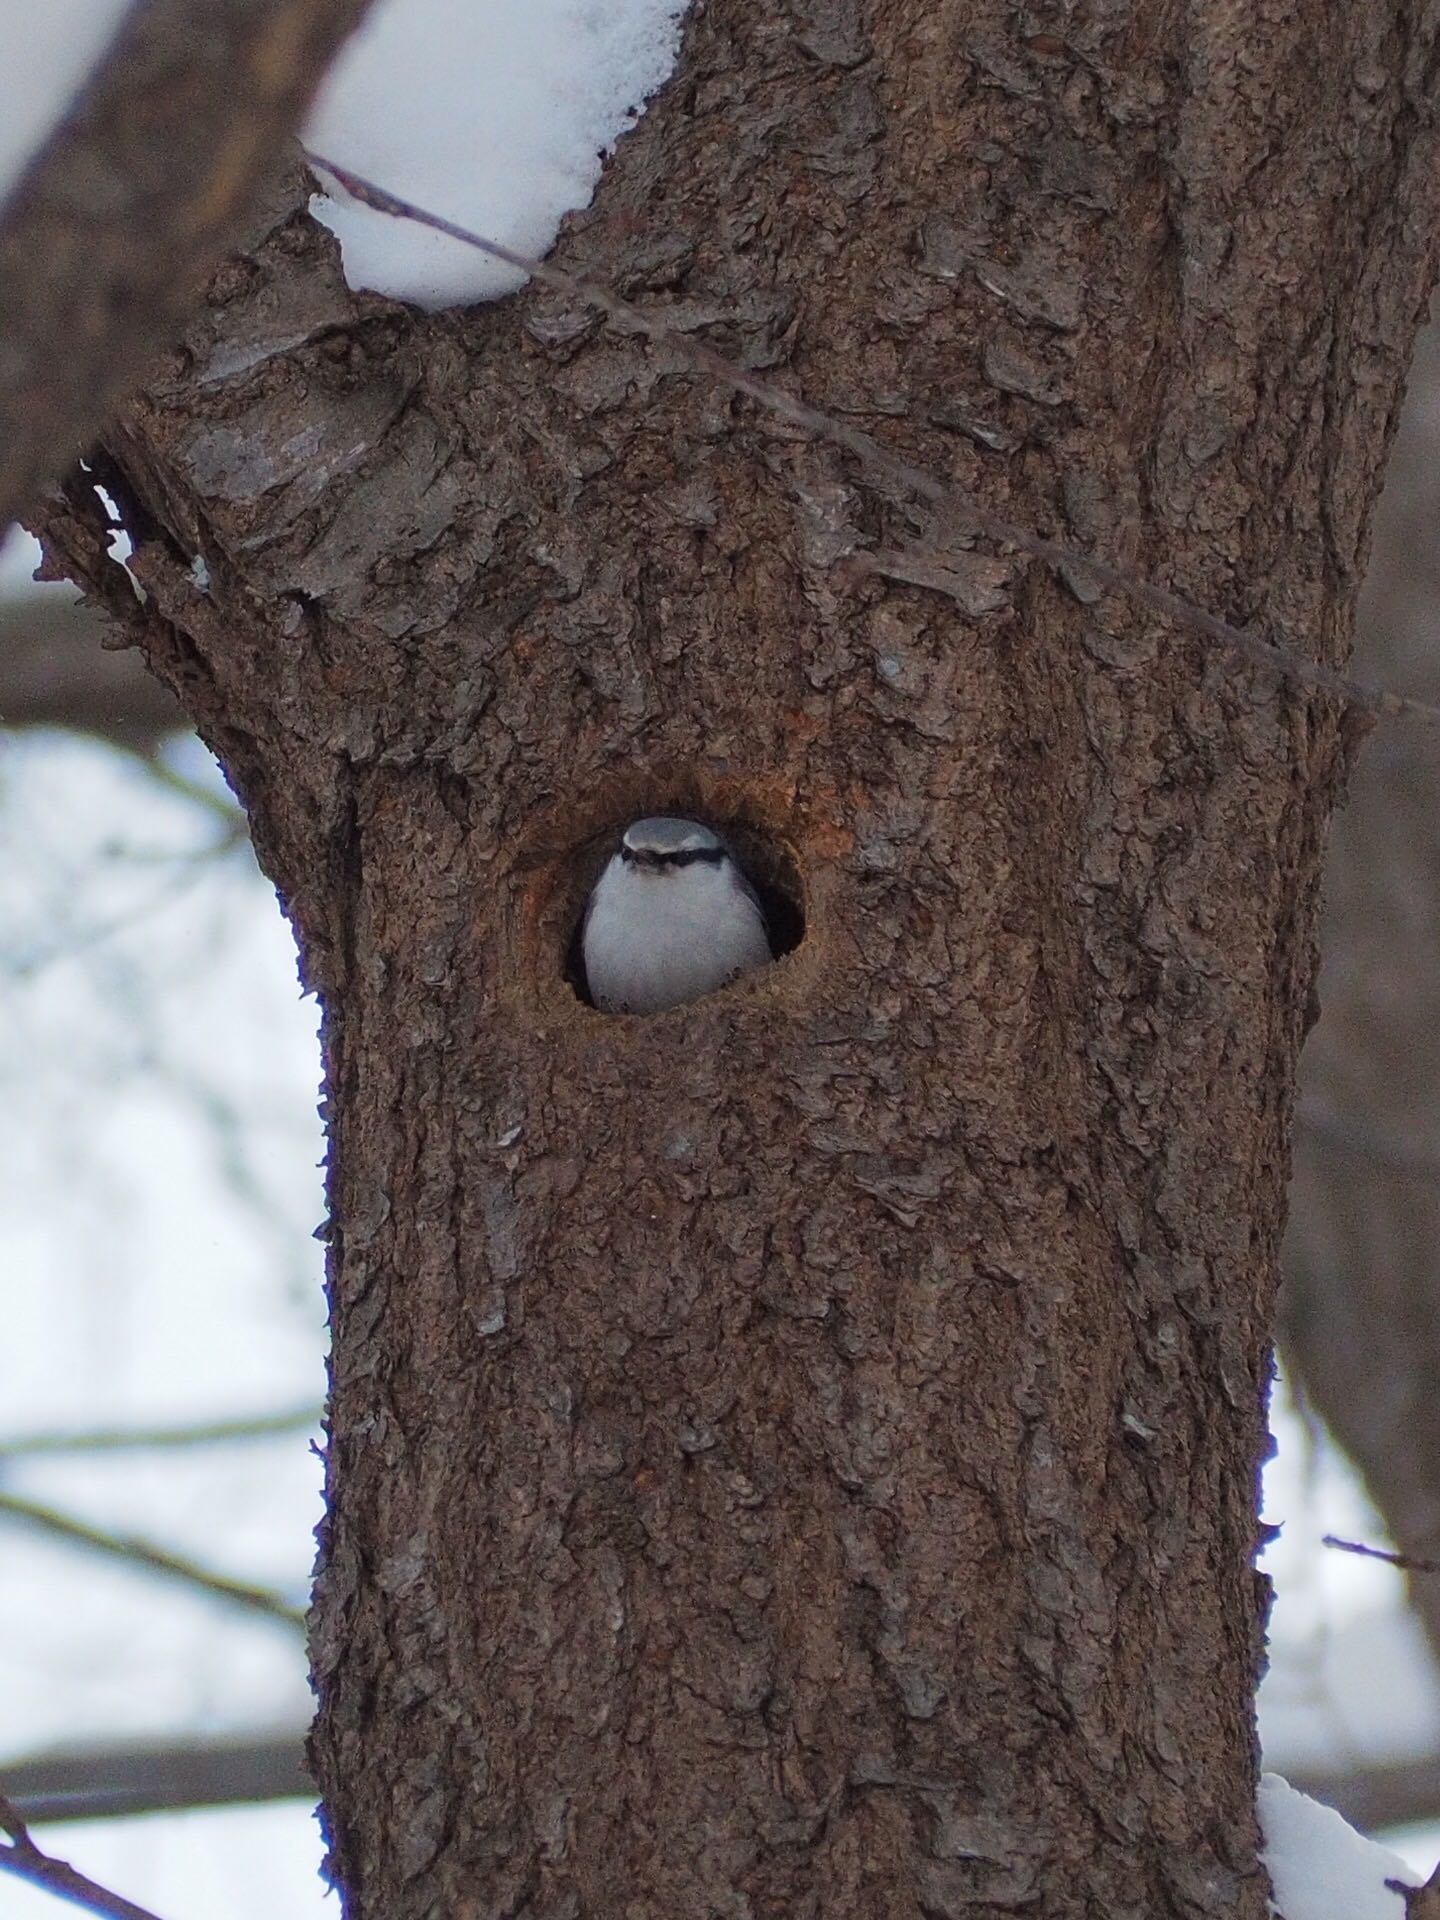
(796, 1456)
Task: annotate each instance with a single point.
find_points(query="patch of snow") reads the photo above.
(46, 55)
(1320, 1868)
(496, 116)
(1418, 1843)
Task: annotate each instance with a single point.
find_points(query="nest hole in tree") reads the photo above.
(769, 865)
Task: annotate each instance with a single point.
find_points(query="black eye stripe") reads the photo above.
(681, 857)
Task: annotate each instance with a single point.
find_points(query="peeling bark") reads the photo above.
(796, 1455)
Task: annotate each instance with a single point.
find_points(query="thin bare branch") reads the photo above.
(1407, 1563)
(152, 1558)
(962, 507)
(23, 1858)
(104, 1783)
(204, 1433)
(235, 832)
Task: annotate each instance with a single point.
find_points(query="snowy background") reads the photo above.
(160, 1147)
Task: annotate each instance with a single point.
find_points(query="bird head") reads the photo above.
(663, 844)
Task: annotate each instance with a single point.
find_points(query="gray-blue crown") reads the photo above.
(662, 837)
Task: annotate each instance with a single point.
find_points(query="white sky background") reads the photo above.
(46, 51)
(158, 1080)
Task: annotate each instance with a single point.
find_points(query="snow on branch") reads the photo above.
(1321, 1869)
(503, 114)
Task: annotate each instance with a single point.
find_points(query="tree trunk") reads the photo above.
(796, 1455)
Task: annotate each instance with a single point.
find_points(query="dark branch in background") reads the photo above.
(109, 233)
(110, 1782)
(149, 1557)
(22, 1857)
(207, 1433)
(1377, 1796)
(1338, 1132)
(56, 671)
(966, 511)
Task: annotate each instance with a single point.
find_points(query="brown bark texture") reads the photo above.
(796, 1455)
(1361, 1306)
(106, 238)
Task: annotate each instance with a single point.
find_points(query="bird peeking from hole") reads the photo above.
(671, 917)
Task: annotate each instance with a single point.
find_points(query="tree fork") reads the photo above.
(796, 1456)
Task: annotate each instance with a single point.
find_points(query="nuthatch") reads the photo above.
(671, 917)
